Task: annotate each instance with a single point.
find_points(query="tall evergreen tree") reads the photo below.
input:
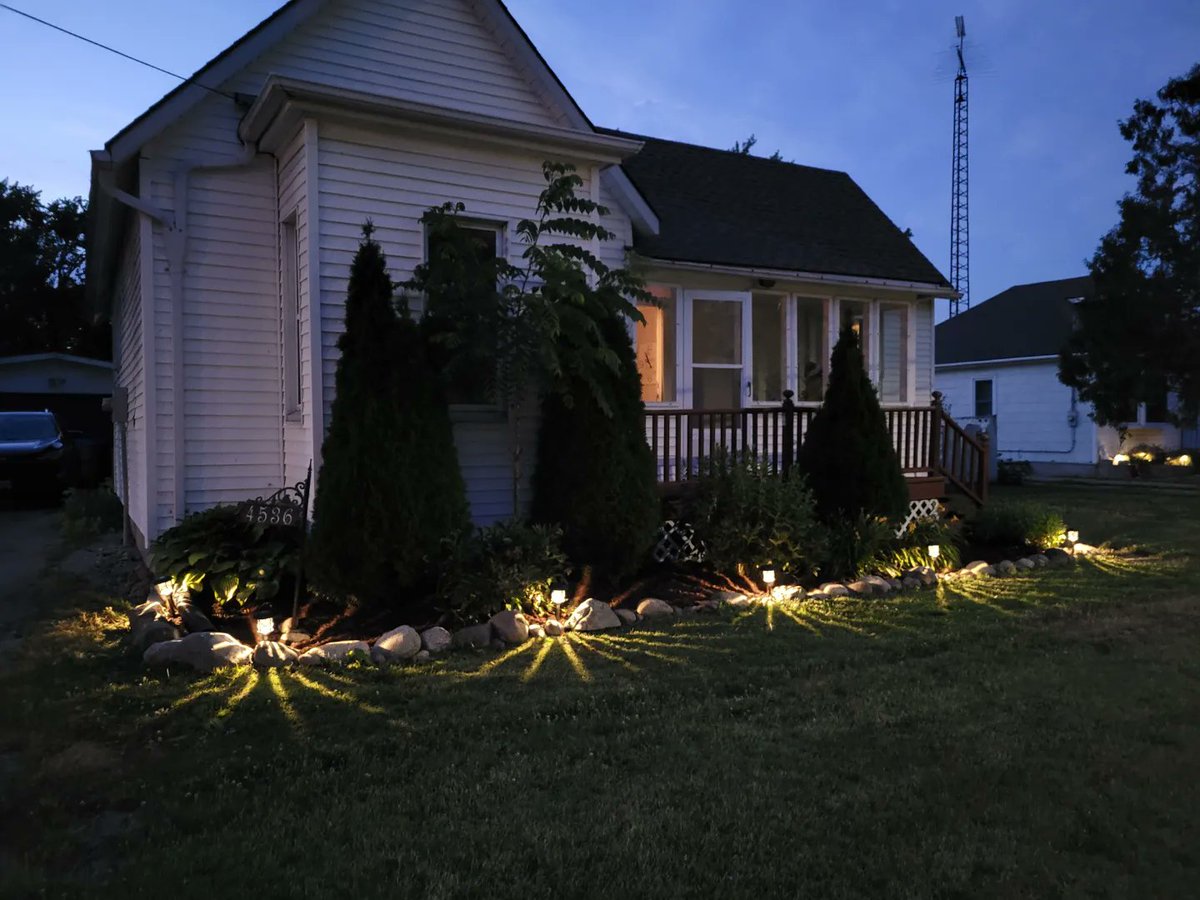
(595, 471)
(390, 489)
(847, 454)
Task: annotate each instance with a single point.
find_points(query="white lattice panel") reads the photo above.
(918, 510)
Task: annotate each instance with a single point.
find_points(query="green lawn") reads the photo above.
(1032, 736)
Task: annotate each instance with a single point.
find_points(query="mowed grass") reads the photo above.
(1038, 735)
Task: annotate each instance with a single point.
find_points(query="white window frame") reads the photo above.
(789, 350)
(677, 403)
(907, 350)
(991, 379)
(828, 339)
(742, 297)
(289, 306)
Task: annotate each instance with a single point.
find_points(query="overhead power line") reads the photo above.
(88, 40)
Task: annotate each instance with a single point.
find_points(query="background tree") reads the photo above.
(535, 327)
(744, 148)
(595, 472)
(390, 491)
(42, 263)
(847, 455)
(1138, 335)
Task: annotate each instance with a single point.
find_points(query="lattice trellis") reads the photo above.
(919, 510)
(677, 542)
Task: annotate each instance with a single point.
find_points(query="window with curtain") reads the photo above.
(893, 354)
(768, 327)
(655, 346)
(812, 357)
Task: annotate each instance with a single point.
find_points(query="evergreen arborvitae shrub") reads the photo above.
(848, 456)
(595, 472)
(390, 490)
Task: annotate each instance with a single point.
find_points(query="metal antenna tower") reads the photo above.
(960, 226)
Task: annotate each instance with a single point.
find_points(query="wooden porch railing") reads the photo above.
(928, 442)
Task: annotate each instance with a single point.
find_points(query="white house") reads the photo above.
(997, 366)
(224, 220)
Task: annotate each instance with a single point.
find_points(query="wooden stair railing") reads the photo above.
(960, 458)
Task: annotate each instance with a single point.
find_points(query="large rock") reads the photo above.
(731, 597)
(396, 645)
(1005, 567)
(592, 615)
(653, 608)
(203, 651)
(861, 587)
(336, 653)
(148, 625)
(910, 583)
(511, 627)
(924, 574)
(972, 569)
(274, 655)
(1039, 560)
(881, 585)
(553, 627)
(1057, 557)
(474, 637)
(536, 630)
(834, 589)
(194, 620)
(435, 639)
(1083, 549)
(1025, 563)
(627, 616)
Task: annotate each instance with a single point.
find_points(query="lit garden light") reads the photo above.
(1072, 537)
(934, 551)
(768, 577)
(264, 621)
(558, 594)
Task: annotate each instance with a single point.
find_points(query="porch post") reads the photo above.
(935, 435)
(789, 433)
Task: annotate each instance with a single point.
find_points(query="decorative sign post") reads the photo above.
(285, 511)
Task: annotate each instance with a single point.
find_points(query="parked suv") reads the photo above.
(36, 457)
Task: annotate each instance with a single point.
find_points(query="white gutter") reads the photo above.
(923, 287)
(994, 362)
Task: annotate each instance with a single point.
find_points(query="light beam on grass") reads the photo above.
(573, 658)
(667, 642)
(495, 663)
(542, 653)
(330, 693)
(795, 616)
(285, 701)
(618, 645)
(232, 703)
(592, 646)
(206, 689)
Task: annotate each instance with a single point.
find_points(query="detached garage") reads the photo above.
(71, 387)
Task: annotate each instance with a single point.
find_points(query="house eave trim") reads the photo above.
(640, 214)
(284, 103)
(924, 288)
(981, 363)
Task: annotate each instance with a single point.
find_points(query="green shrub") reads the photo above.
(751, 519)
(595, 473)
(221, 551)
(1010, 524)
(90, 512)
(1013, 471)
(911, 549)
(847, 455)
(510, 565)
(390, 491)
(857, 546)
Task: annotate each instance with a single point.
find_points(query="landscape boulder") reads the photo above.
(274, 655)
(1025, 563)
(910, 583)
(627, 616)
(536, 630)
(204, 651)
(863, 588)
(336, 652)
(1039, 560)
(881, 585)
(1057, 557)
(653, 608)
(834, 589)
(148, 625)
(436, 639)
(1005, 567)
(730, 597)
(396, 645)
(473, 637)
(971, 569)
(553, 627)
(510, 627)
(592, 615)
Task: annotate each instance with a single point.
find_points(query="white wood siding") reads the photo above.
(297, 432)
(392, 180)
(923, 325)
(128, 373)
(1031, 407)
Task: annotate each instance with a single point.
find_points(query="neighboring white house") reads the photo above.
(997, 367)
(225, 218)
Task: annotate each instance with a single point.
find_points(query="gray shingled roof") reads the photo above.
(1025, 320)
(726, 208)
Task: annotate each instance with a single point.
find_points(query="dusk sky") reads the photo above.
(865, 88)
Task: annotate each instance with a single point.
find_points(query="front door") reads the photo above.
(718, 349)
